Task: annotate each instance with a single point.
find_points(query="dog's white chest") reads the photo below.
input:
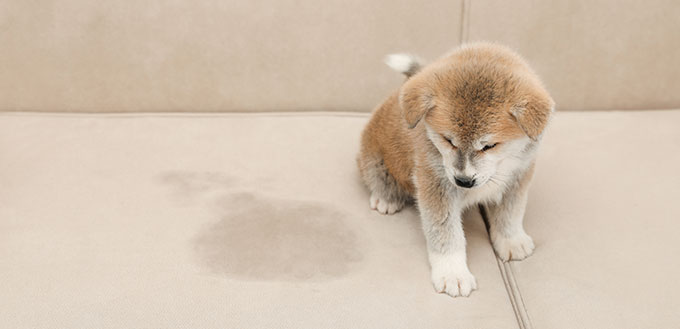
(487, 193)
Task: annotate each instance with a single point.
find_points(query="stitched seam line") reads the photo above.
(523, 314)
(511, 286)
(511, 296)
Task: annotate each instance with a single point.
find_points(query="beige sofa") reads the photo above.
(243, 207)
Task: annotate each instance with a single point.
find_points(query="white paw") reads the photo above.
(516, 247)
(384, 207)
(453, 280)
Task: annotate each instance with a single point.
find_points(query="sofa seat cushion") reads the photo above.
(214, 221)
(604, 213)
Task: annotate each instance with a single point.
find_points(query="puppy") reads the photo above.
(461, 131)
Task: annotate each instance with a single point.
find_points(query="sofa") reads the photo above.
(191, 164)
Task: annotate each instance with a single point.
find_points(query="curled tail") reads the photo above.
(404, 63)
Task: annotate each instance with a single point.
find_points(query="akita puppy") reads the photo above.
(460, 131)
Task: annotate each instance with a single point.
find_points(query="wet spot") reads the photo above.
(260, 238)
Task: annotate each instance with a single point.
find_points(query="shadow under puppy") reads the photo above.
(460, 131)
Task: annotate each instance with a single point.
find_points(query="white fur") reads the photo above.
(383, 206)
(450, 273)
(403, 63)
(507, 234)
(446, 251)
(515, 246)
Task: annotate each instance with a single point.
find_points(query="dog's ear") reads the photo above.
(532, 114)
(415, 101)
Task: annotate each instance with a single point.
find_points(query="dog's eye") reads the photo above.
(488, 147)
(450, 142)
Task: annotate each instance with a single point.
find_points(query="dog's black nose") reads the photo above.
(464, 182)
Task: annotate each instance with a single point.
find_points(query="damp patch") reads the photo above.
(261, 238)
(258, 237)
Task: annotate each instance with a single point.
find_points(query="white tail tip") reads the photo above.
(403, 63)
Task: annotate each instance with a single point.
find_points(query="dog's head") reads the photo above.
(482, 107)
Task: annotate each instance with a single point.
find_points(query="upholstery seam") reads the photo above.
(465, 21)
(27, 113)
(523, 314)
(511, 296)
(184, 114)
(511, 286)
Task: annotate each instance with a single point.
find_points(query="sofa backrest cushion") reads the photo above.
(285, 55)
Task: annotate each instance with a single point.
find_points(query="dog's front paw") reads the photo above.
(453, 281)
(383, 206)
(515, 247)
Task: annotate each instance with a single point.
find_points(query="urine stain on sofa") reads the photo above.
(263, 238)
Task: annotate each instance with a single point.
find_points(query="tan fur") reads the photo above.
(482, 88)
(383, 138)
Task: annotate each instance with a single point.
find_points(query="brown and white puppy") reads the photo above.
(461, 131)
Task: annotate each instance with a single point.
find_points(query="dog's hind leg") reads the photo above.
(387, 196)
